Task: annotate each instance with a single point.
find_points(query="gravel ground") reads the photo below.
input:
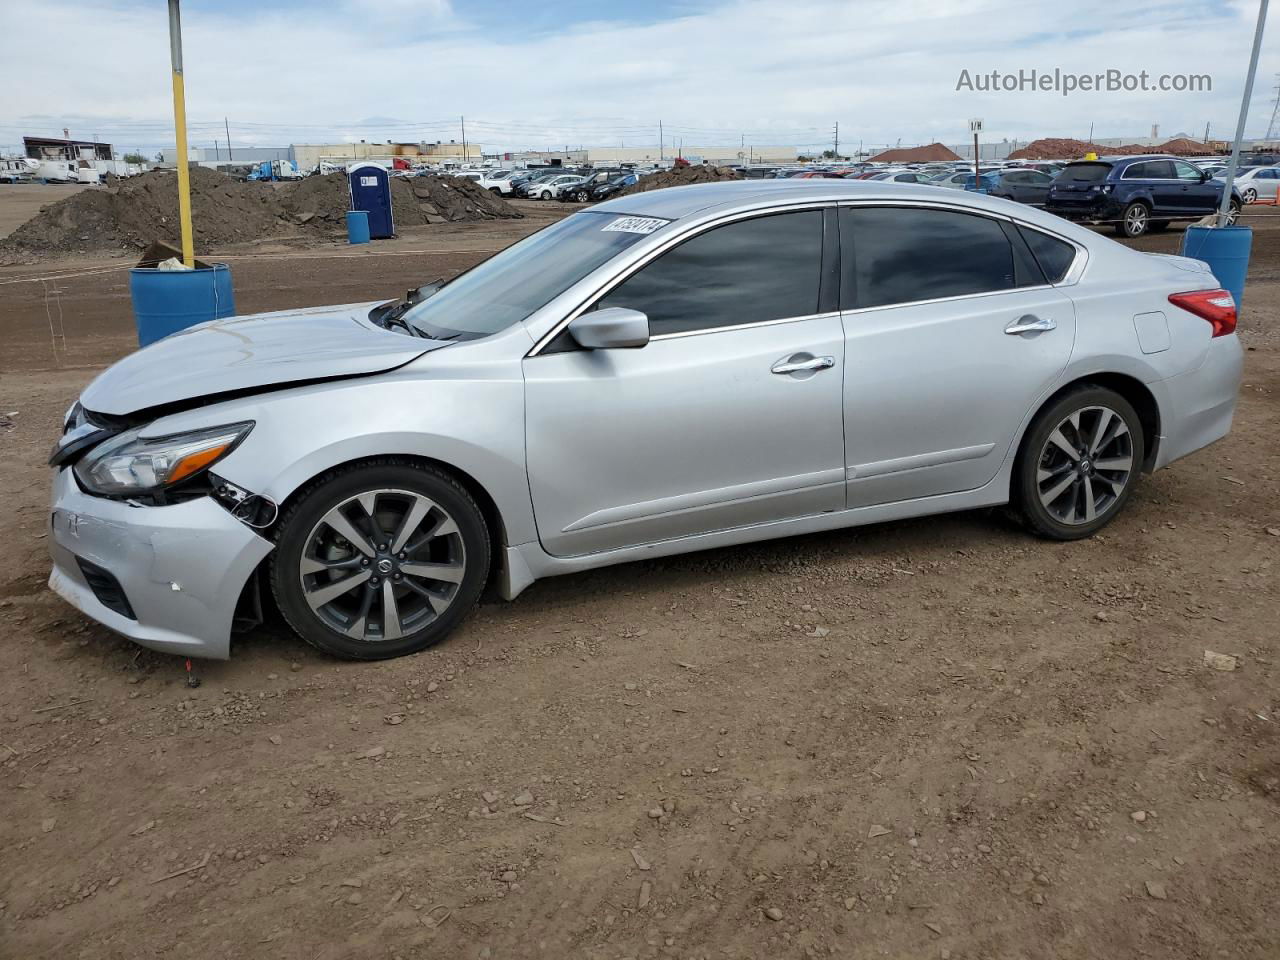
(937, 738)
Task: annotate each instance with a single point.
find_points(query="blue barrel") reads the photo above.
(166, 301)
(1225, 250)
(357, 226)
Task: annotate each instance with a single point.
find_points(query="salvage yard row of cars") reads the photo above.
(1135, 194)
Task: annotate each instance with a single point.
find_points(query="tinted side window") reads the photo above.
(745, 272)
(1054, 256)
(1137, 171)
(1160, 170)
(901, 254)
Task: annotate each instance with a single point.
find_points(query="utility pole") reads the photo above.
(1275, 111)
(660, 155)
(1091, 135)
(835, 146)
(227, 127)
(1234, 163)
(464, 140)
(180, 135)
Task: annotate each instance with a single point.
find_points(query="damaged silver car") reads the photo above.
(661, 373)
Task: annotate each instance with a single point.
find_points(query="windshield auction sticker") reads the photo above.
(634, 225)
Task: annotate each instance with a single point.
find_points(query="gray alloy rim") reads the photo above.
(1250, 195)
(1135, 218)
(382, 564)
(1085, 465)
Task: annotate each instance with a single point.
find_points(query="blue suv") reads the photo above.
(1135, 194)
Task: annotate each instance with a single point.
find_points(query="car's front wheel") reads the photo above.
(1134, 221)
(1078, 463)
(379, 560)
(545, 195)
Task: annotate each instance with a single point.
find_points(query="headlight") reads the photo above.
(127, 464)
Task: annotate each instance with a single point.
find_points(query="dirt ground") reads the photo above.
(929, 739)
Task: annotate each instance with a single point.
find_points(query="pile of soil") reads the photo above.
(322, 201)
(681, 177)
(130, 213)
(931, 153)
(1053, 148)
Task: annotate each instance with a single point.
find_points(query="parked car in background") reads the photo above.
(525, 187)
(902, 176)
(605, 190)
(1136, 194)
(957, 180)
(1022, 185)
(548, 188)
(581, 191)
(577, 400)
(1254, 183)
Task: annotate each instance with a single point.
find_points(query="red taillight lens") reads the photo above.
(1216, 306)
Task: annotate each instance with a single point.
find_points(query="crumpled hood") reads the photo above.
(262, 350)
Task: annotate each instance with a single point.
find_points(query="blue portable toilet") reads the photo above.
(370, 186)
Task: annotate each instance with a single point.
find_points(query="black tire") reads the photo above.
(299, 520)
(1134, 220)
(1233, 209)
(1026, 498)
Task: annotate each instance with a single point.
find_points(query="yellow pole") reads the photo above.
(180, 130)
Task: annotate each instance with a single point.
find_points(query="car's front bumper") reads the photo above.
(181, 568)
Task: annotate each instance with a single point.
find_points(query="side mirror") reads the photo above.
(1204, 176)
(610, 329)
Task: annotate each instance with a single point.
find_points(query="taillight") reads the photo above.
(1216, 306)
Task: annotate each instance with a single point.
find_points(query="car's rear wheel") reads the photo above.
(379, 560)
(1134, 221)
(1078, 463)
(1250, 195)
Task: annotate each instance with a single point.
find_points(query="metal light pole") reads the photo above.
(180, 134)
(1225, 206)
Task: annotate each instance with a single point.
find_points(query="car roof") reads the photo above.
(729, 196)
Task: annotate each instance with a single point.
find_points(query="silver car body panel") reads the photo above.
(595, 458)
(250, 352)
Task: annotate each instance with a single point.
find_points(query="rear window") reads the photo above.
(1089, 172)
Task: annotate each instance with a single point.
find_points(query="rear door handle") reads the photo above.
(1030, 324)
(801, 366)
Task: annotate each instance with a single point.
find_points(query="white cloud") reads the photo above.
(783, 72)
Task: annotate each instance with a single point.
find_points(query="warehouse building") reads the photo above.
(306, 155)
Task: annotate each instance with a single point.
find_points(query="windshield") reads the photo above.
(511, 285)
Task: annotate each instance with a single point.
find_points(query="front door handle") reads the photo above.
(791, 365)
(1030, 324)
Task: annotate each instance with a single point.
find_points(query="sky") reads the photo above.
(557, 73)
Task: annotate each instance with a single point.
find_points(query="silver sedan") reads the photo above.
(665, 372)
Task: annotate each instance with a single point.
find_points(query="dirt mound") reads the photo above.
(1184, 147)
(1053, 148)
(932, 153)
(681, 177)
(322, 201)
(131, 213)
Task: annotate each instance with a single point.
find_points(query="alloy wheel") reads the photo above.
(1085, 465)
(1135, 220)
(382, 564)
(1250, 195)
